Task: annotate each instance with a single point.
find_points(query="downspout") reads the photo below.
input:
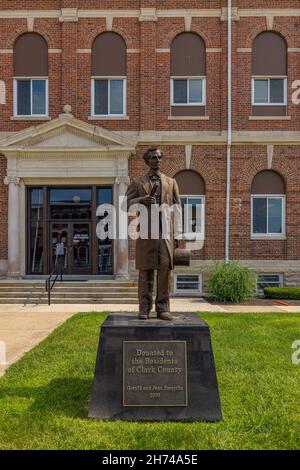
(229, 130)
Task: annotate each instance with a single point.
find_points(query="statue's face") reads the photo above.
(155, 160)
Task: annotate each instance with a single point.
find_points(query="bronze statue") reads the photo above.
(154, 254)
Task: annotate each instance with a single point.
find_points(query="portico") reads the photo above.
(57, 172)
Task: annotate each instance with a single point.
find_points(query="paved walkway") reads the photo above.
(23, 327)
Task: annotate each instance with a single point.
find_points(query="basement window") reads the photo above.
(268, 280)
(187, 284)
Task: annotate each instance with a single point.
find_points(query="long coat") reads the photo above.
(147, 250)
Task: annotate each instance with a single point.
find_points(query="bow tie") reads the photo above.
(155, 177)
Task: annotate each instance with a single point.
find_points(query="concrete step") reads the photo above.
(102, 291)
(22, 300)
(75, 295)
(41, 285)
(66, 290)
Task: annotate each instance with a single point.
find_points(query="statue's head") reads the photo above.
(152, 158)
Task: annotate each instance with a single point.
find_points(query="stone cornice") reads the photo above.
(67, 154)
(72, 14)
(150, 137)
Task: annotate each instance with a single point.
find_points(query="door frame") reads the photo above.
(47, 265)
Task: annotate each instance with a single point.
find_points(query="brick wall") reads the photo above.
(148, 79)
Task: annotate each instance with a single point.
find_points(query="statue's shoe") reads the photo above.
(143, 316)
(165, 316)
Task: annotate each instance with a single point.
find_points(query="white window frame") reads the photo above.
(199, 235)
(203, 103)
(188, 291)
(124, 97)
(269, 78)
(283, 205)
(15, 104)
(280, 279)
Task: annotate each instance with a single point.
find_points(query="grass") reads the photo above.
(44, 396)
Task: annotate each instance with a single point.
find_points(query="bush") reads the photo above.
(230, 282)
(292, 293)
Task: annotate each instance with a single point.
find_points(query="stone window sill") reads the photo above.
(188, 118)
(108, 118)
(30, 118)
(269, 238)
(270, 118)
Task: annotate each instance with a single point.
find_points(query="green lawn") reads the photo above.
(44, 396)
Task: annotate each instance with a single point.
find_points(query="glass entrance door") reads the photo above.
(80, 251)
(61, 227)
(60, 243)
(70, 247)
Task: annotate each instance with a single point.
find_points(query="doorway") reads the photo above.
(72, 241)
(62, 223)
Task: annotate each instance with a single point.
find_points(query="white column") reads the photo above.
(13, 226)
(121, 244)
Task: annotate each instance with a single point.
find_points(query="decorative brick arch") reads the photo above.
(91, 38)
(173, 33)
(259, 30)
(19, 32)
(255, 166)
(205, 168)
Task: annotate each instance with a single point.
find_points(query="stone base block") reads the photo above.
(154, 370)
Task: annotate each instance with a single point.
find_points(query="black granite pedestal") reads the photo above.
(155, 370)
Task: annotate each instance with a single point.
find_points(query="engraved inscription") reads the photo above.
(154, 373)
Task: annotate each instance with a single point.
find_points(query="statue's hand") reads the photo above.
(148, 200)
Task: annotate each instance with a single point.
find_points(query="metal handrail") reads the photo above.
(50, 283)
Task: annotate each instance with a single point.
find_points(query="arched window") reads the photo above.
(192, 193)
(188, 72)
(2, 92)
(268, 205)
(109, 75)
(269, 71)
(31, 76)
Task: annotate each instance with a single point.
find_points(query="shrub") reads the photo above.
(230, 281)
(292, 293)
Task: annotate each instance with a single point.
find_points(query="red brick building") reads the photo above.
(87, 86)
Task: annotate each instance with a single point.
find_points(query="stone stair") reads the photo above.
(68, 292)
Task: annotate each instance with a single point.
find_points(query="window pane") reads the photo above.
(38, 97)
(101, 96)
(259, 215)
(192, 212)
(275, 215)
(36, 229)
(180, 91)
(195, 91)
(75, 203)
(260, 91)
(187, 282)
(36, 246)
(116, 97)
(277, 91)
(105, 195)
(23, 107)
(37, 199)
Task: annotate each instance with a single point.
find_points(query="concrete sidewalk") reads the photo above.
(23, 327)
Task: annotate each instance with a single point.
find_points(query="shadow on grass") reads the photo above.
(66, 397)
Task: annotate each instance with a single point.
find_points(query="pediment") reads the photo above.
(64, 134)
